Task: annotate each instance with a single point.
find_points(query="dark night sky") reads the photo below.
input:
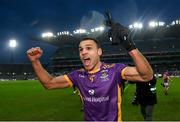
(19, 18)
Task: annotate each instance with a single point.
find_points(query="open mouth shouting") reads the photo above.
(86, 61)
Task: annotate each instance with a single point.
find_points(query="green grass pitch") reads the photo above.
(29, 101)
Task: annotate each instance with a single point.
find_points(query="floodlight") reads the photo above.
(47, 35)
(12, 43)
(79, 31)
(173, 23)
(137, 25)
(153, 24)
(63, 33)
(93, 30)
(176, 22)
(161, 23)
(131, 27)
(101, 28)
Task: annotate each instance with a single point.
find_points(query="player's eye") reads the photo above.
(89, 48)
(80, 49)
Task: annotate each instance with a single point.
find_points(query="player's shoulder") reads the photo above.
(113, 65)
(108, 65)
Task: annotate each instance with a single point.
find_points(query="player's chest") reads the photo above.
(103, 79)
(98, 85)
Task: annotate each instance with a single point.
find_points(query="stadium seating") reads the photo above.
(161, 46)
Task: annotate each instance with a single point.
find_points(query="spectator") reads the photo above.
(146, 97)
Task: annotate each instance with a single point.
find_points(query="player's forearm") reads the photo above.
(41, 73)
(142, 65)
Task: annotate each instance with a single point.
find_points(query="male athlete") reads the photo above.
(166, 80)
(99, 83)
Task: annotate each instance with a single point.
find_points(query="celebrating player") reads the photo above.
(99, 83)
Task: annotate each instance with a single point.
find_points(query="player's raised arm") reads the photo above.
(47, 80)
(142, 70)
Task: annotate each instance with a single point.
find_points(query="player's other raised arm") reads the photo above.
(46, 79)
(142, 70)
(122, 35)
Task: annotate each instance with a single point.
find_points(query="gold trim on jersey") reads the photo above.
(123, 74)
(119, 104)
(94, 71)
(105, 66)
(68, 80)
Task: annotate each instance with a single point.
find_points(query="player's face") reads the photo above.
(90, 54)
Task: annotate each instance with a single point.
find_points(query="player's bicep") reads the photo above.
(131, 74)
(59, 82)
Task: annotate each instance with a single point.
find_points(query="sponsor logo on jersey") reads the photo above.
(82, 76)
(91, 91)
(96, 99)
(104, 75)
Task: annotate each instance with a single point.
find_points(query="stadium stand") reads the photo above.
(16, 72)
(160, 45)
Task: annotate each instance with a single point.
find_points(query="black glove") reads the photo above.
(119, 34)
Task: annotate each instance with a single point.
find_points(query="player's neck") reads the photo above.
(96, 68)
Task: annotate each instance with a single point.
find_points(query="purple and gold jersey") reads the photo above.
(101, 91)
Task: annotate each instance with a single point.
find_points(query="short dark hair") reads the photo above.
(93, 39)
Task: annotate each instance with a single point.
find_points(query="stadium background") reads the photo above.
(161, 46)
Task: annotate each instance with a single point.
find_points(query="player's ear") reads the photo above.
(99, 51)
